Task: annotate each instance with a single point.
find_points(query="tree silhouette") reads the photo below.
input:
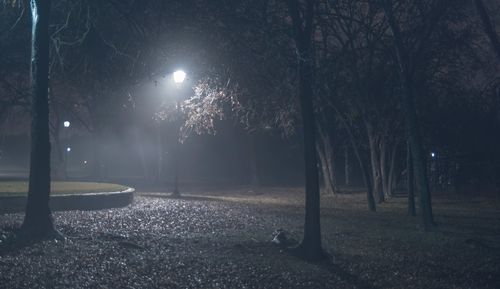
(38, 219)
(302, 18)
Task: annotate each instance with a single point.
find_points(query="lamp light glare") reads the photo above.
(433, 155)
(179, 76)
(66, 123)
(68, 149)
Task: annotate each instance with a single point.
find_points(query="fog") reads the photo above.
(145, 155)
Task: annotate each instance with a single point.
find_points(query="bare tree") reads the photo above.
(410, 117)
(38, 218)
(302, 18)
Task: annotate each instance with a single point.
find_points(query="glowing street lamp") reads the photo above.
(66, 123)
(179, 76)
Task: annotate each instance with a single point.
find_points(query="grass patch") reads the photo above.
(60, 188)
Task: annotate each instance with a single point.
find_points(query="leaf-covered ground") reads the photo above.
(222, 240)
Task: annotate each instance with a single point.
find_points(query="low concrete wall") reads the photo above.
(90, 201)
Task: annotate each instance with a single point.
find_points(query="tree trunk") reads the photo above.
(384, 174)
(367, 179)
(38, 218)
(310, 248)
(346, 165)
(488, 26)
(375, 165)
(411, 182)
(325, 153)
(391, 180)
(327, 181)
(411, 121)
(366, 175)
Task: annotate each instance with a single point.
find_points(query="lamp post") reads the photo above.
(179, 77)
(68, 150)
(66, 124)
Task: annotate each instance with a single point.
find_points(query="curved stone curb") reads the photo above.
(68, 202)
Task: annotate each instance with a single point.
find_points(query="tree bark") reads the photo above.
(411, 120)
(366, 175)
(488, 26)
(367, 179)
(411, 182)
(328, 186)
(391, 180)
(310, 248)
(329, 161)
(375, 164)
(384, 174)
(346, 165)
(325, 153)
(38, 218)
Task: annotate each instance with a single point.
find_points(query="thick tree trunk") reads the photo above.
(310, 248)
(411, 121)
(411, 182)
(311, 244)
(488, 26)
(38, 218)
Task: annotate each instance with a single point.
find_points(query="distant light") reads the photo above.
(68, 149)
(85, 162)
(179, 76)
(433, 155)
(66, 124)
